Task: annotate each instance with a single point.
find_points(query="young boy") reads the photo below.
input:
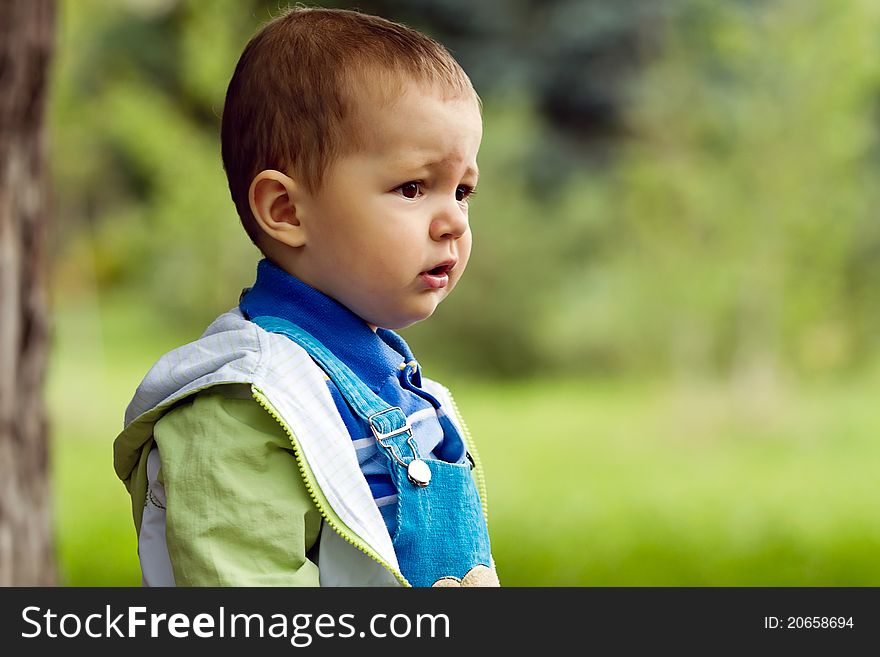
(296, 443)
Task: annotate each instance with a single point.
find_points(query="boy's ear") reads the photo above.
(273, 197)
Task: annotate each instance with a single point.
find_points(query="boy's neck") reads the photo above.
(284, 263)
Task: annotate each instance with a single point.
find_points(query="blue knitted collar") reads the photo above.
(372, 356)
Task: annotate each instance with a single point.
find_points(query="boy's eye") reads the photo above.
(410, 189)
(463, 192)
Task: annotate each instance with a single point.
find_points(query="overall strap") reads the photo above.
(386, 421)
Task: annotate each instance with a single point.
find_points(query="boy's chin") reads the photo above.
(402, 321)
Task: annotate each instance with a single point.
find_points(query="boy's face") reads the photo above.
(387, 235)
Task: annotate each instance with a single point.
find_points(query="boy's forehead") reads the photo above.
(434, 125)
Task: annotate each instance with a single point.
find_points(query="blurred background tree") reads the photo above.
(27, 37)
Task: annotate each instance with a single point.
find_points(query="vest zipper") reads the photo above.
(470, 446)
(472, 449)
(310, 487)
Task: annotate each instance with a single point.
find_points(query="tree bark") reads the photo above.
(26, 535)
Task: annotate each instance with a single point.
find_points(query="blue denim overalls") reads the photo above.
(441, 532)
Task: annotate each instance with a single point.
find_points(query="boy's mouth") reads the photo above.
(440, 269)
(438, 276)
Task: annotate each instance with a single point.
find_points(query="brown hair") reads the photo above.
(291, 99)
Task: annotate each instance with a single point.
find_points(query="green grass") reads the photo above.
(590, 483)
(652, 485)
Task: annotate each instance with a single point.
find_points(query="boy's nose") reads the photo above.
(450, 221)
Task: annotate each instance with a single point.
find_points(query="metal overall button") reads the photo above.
(418, 472)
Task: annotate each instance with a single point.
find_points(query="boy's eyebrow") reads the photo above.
(436, 164)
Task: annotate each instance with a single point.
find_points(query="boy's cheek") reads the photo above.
(464, 251)
(458, 273)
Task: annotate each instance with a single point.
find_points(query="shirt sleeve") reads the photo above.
(237, 510)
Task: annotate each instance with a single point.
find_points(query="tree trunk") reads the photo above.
(26, 541)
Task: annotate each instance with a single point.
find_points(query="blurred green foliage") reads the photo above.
(731, 230)
(748, 234)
